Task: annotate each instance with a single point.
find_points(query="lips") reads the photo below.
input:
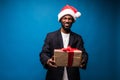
(67, 24)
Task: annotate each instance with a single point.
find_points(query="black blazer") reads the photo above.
(54, 41)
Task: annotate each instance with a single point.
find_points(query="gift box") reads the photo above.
(69, 57)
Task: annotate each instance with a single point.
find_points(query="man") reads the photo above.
(63, 38)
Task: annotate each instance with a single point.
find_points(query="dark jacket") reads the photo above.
(54, 41)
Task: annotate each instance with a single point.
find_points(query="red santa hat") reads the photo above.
(69, 10)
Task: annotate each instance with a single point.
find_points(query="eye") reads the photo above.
(70, 18)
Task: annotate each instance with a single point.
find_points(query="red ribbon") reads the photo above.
(70, 52)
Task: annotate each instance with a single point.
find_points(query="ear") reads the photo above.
(73, 20)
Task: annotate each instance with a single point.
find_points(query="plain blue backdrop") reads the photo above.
(25, 23)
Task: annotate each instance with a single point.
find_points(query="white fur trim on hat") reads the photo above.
(70, 12)
(77, 14)
(66, 11)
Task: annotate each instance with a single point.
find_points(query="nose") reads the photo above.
(67, 20)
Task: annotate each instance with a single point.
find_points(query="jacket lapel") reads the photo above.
(71, 39)
(60, 41)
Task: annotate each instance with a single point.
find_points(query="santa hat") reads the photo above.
(69, 10)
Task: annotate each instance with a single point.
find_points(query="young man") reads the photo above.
(63, 38)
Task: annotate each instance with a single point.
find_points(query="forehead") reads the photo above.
(67, 15)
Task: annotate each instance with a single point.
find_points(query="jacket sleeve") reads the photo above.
(45, 52)
(80, 45)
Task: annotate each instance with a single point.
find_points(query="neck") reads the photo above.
(65, 31)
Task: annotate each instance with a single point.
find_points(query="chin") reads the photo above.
(67, 29)
(67, 26)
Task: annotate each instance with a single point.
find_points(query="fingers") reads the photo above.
(51, 62)
(82, 63)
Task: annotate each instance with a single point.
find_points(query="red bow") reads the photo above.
(70, 52)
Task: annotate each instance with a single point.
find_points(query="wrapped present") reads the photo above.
(70, 57)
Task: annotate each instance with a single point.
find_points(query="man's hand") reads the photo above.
(51, 62)
(82, 63)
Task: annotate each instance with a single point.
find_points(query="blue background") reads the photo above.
(25, 23)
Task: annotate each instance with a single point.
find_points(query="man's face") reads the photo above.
(66, 22)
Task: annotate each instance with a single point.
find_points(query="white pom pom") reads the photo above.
(78, 14)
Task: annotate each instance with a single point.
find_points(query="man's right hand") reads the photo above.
(51, 63)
